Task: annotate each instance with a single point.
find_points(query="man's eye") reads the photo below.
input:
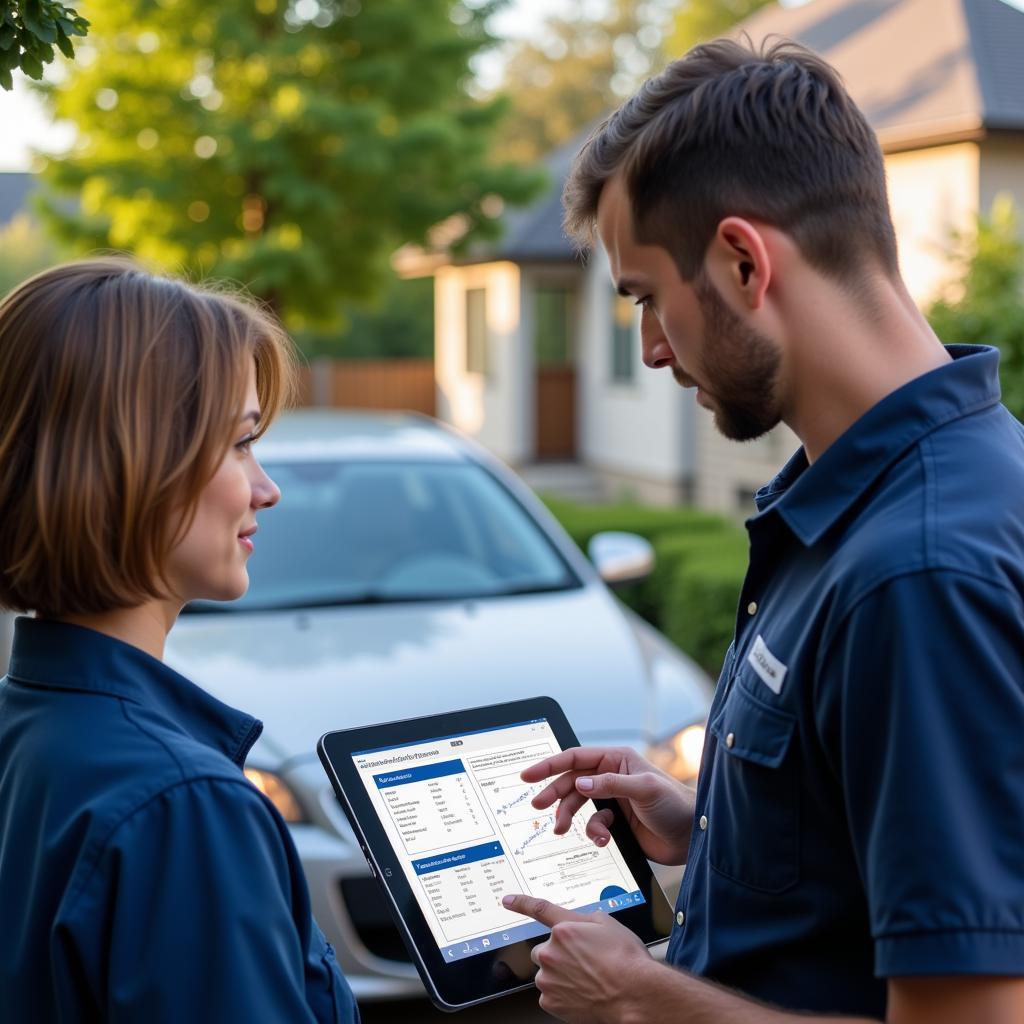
(647, 302)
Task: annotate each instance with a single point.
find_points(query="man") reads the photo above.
(857, 840)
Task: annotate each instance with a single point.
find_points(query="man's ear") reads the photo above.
(739, 261)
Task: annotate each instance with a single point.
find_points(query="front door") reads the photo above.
(556, 373)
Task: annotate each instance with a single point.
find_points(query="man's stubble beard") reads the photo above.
(739, 369)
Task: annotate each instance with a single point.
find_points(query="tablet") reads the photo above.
(448, 828)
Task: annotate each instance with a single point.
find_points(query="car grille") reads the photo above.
(371, 918)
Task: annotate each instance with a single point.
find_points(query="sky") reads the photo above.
(24, 125)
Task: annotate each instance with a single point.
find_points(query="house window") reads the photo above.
(476, 331)
(623, 319)
(552, 328)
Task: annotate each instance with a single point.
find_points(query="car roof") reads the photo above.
(305, 434)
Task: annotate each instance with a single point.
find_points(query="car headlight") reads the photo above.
(680, 754)
(277, 791)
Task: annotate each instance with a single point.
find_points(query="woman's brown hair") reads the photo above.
(119, 392)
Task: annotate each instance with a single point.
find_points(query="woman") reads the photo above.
(141, 876)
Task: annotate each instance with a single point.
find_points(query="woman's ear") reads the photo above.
(739, 261)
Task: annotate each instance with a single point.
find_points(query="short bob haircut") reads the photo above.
(119, 392)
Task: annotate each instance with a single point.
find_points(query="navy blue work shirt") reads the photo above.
(860, 808)
(142, 878)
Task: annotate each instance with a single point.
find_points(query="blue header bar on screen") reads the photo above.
(421, 774)
(457, 858)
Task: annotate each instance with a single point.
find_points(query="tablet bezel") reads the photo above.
(461, 983)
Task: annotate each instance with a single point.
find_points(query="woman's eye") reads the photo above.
(245, 445)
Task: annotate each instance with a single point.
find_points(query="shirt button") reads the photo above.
(703, 822)
(730, 740)
(752, 608)
(680, 918)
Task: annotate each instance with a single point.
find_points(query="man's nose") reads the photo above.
(657, 352)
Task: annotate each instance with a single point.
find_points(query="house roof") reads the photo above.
(533, 234)
(15, 188)
(923, 71)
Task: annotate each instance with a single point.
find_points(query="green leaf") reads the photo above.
(65, 44)
(41, 26)
(6, 81)
(32, 66)
(7, 37)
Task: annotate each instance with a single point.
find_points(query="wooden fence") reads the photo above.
(370, 384)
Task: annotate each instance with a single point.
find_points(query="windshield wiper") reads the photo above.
(374, 597)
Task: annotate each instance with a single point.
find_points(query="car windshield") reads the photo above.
(366, 532)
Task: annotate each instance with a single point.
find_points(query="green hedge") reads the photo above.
(700, 561)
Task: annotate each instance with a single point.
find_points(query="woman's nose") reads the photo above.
(265, 493)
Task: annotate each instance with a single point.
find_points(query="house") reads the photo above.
(15, 189)
(538, 358)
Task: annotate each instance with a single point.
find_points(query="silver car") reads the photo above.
(406, 572)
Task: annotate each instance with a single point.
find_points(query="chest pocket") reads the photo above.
(753, 803)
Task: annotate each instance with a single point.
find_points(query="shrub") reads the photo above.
(699, 611)
(581, 522)
(984, 304)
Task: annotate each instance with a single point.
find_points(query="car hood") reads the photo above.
(308, 672)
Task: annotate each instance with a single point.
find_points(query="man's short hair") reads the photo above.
(119, 392)
(730, 131)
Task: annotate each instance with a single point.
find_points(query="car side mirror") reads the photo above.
(621, 558)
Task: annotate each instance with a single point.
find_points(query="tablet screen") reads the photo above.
(461, 821)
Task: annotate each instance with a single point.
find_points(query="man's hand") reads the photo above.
(583, 963)
(593, 970)
(658, 808)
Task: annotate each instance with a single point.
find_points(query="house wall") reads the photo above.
(730, 471)
(932, 192)
(636, 434)
(1002, 171)
(496, 408)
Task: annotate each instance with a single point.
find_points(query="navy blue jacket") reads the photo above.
(860, 809)
(142, 878)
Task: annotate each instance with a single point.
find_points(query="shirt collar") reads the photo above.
(61, 656)
(810, 499)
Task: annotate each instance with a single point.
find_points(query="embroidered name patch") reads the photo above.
(766, 665)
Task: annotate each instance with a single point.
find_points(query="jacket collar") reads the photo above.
(61, 656)
(811, 499)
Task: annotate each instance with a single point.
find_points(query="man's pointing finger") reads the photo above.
(540, 910)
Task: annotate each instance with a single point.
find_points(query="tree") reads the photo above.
(398, 324)
(581, 67)
(29, 30)
(577, 69)
(291, 145)
(701, 20)
(984, 301)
